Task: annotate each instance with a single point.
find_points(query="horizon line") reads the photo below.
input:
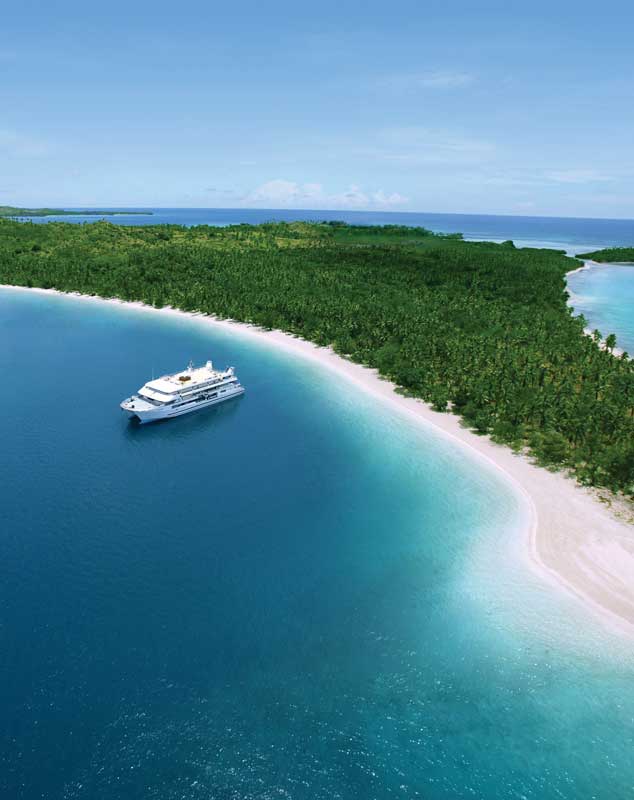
(107, 207)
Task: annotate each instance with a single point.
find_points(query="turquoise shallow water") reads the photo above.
(604, 294)
(297, 595)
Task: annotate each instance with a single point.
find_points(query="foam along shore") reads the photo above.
(573, 540)
(589, 264)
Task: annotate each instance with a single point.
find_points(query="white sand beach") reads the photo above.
(574, 540)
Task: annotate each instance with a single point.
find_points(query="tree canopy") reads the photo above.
(14, 211)
(613, 255)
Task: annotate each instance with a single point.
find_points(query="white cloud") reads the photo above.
(435, 79)
(393, 199)
(289, 194)
(279, 191)
(353, 197)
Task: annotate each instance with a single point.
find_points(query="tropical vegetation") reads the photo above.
(14, 211)
(613, 255)
(477, 329)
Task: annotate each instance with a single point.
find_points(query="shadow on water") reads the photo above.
(196, 422)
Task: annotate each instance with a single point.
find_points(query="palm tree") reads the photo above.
(610, 343)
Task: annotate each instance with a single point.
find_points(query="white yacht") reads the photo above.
(173, 395)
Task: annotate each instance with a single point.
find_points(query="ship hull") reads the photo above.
(155, 414)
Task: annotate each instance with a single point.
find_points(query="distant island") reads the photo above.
(14, 211)
(611, 255)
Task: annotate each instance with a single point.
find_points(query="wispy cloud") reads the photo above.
(289, 194)
(413, 145)
(539, 177)
(578, 176)
(435, 80)
(17, 145)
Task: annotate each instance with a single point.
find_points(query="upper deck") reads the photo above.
(186, 381)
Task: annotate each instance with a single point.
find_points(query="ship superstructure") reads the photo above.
(183, 392)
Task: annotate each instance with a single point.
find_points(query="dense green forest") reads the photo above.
(479, 329)
(612, 255)
(14, 211)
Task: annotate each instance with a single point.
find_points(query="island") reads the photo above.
(475, 339)
(477, 329)
(14, 211)
(611, 255)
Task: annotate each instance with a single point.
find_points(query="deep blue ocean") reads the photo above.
(298, 594)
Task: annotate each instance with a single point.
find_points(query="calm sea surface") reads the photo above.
(295, 595)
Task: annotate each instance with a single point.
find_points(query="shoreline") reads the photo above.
(573, 540)
(588, 263)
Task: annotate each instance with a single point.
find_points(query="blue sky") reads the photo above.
(487, 107)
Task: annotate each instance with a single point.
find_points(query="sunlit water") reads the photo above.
(298, 594)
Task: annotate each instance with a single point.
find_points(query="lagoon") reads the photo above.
(604, 294)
